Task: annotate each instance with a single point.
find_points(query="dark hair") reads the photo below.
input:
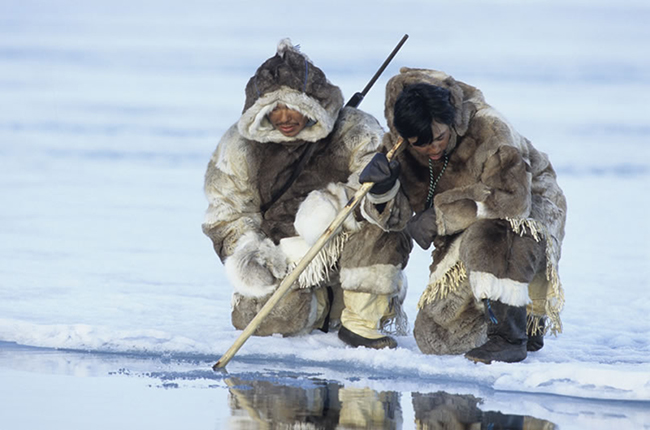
(417, 107)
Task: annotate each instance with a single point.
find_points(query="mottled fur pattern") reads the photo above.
(295, 314)
(493, 176)
(451, 325)
(253, 162)
(256, 267)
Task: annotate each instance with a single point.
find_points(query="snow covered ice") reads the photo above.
(113, 305)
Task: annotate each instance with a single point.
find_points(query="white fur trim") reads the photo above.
(375, 279)
(370, 213)
(314, 215)
(482, 210)
(340, 191)
(451, 258)
(487, 286)
(294, 248)
(285, 45)
(254, 124)
(319, 209)
(386, 197)
(253, 252)
(318, 269)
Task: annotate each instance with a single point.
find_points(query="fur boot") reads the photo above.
(506, 334)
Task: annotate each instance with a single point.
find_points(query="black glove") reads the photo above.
(381, 172)
(422, 227)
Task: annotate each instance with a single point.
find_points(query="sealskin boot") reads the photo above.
(506, 334)
(536, 341)
(361, 318)
(355, 340)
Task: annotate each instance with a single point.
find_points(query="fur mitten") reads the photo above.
(256, 267)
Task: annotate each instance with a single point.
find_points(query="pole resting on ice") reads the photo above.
(330, 232)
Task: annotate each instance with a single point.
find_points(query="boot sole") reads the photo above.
(353, 339)
(478, 360)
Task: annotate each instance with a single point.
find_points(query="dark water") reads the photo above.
(330, 405)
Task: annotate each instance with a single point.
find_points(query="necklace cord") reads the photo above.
(433, 183)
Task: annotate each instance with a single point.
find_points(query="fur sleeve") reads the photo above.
(396, 209)
(503, 191)
(357, 138)
(233, 204)
(394, 215)
(360, 134)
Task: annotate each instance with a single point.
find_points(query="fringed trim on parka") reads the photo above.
(450, 273)
(545, 292)
(547, 297)
(320, 268)
(450, 281)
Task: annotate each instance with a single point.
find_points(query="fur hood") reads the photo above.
(289, 78)
(463, 97)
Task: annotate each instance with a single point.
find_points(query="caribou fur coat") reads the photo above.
(500, 218)
(249, 218)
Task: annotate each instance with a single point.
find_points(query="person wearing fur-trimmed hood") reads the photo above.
(489, 202)
(276, 180)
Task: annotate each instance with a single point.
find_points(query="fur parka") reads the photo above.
(253, 216)
(496, 184)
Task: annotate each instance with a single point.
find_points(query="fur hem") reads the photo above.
(385, 279)
(487, 286)
(553, 303)
(254, 124)
(451, 272)
(319, 269)
(450, 281)
(448, 275)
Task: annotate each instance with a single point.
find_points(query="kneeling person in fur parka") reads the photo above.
(490, 204)
(277, 179)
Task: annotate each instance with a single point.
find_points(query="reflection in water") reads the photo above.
(321, 405)
(314, 404)
(460, 412)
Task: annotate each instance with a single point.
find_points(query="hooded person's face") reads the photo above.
(288, 121)
(436, 148)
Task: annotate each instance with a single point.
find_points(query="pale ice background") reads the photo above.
(109, 111)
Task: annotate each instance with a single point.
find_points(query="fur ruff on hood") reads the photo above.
(291, 79)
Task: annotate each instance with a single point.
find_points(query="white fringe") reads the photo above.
(320, 267)
(554, 297)
(450, 273)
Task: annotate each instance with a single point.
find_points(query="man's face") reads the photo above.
(288, 121)
(436, 149)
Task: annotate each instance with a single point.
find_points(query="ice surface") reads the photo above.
(110, 111)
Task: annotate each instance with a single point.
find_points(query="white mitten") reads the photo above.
(256, 267)
(318, 211)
